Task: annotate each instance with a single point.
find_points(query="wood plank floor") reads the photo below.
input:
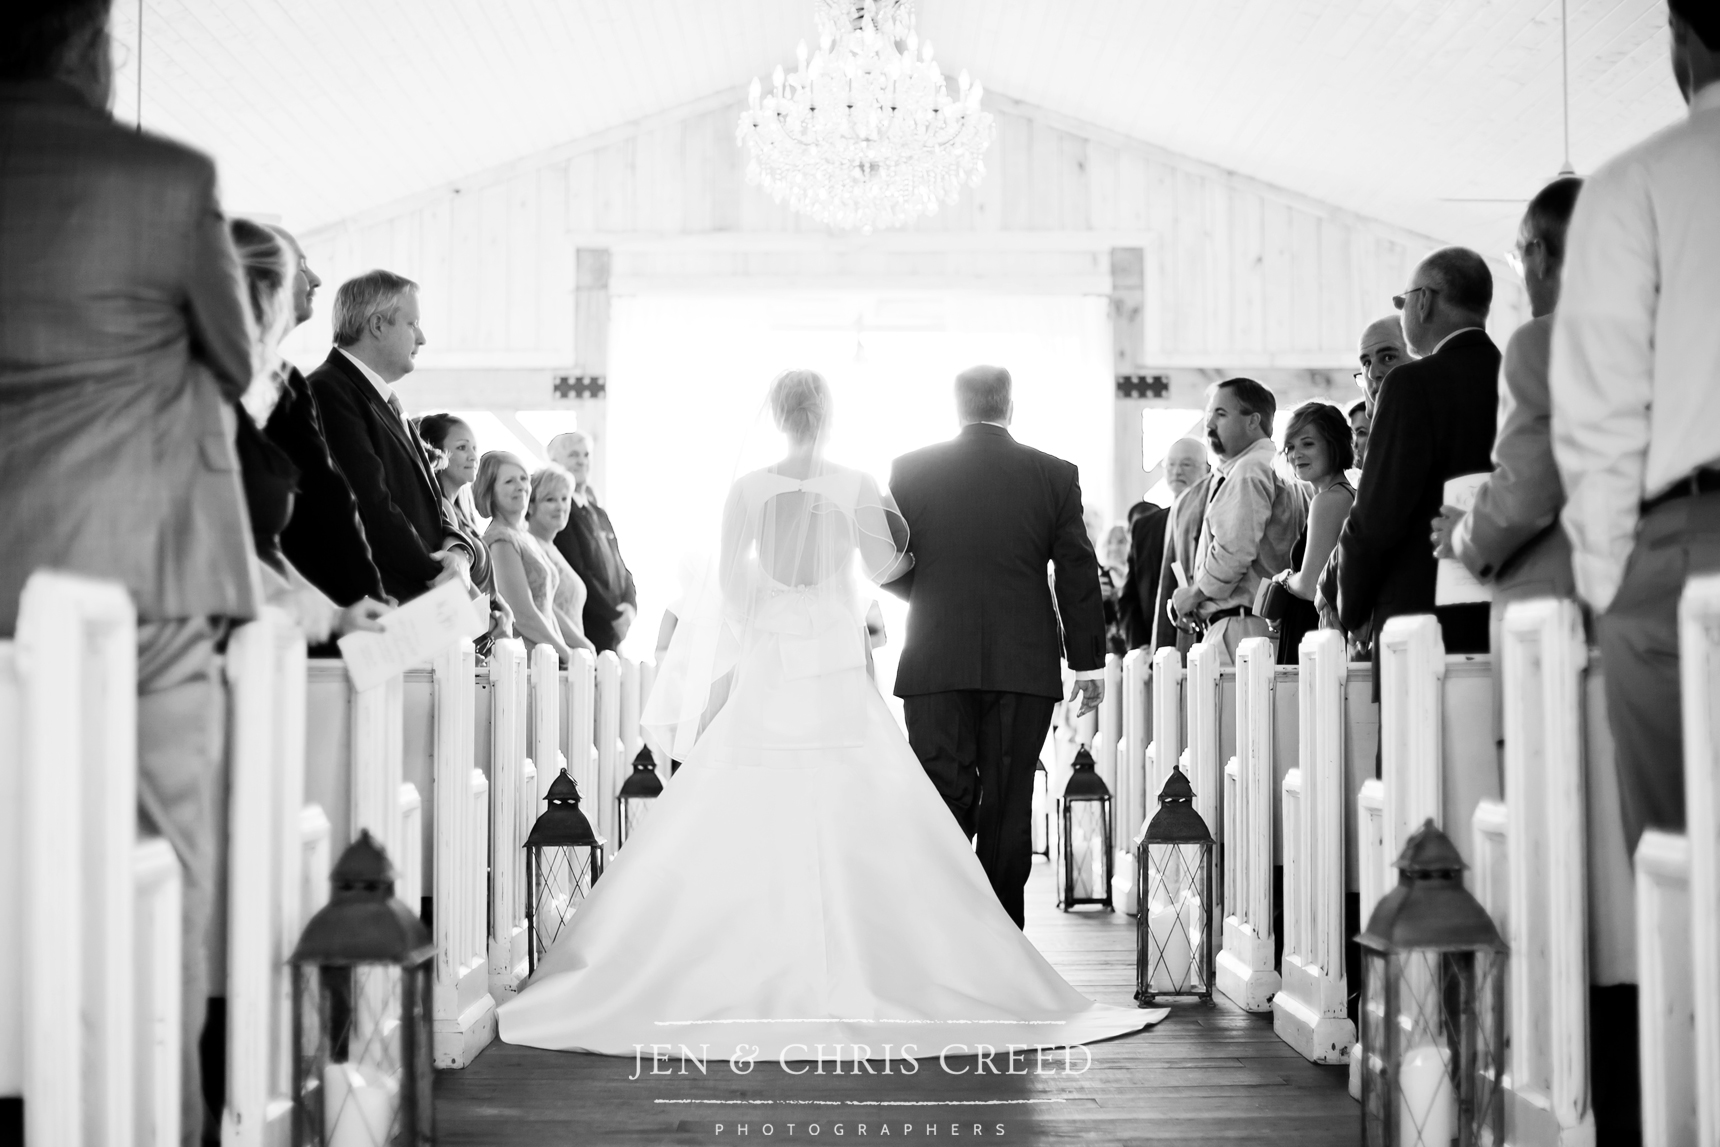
(1205, 1075)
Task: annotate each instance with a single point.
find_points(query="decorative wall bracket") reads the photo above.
(1143, 385)
(579, 385)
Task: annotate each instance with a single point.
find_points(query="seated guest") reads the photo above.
(1138, 598)
(1433, 421)
(123, 350)
(551, 505)
(1317, 442)
(589, 545)
(1252, 520)
(1189, 476)
(414, 542)
(270, 477)
(324, 538)
(1361, 419)
(454, 460)
(523, 576)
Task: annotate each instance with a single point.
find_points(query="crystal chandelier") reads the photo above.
(864, 133)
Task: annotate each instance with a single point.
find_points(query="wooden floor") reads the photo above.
(1207, 1074)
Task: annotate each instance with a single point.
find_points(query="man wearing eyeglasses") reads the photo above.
(1433, 420)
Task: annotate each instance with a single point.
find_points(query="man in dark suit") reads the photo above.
(124, 343)
(324, 539)
(1140, 593)
(979, 673)
(589, 544)
(1434, 421)
(413, 541)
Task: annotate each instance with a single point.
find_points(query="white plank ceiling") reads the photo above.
(1411, 111)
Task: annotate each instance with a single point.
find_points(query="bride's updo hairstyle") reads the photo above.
(800, 400)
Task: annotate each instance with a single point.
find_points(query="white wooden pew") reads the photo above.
(599, 804)
(1666, 993)
(1166, 747)
(1547, 923)
(1699, 671)
(1205, 764)
(1134, 803)
(1247, 967)
(546, 724)
(513, 798)
(1310, 1010)
(464, 1011)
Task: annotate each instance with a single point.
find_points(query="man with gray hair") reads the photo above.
(589, 544)
(413, 539)
(979, 674)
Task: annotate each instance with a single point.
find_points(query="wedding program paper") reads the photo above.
(1455, 584)
(413, 634)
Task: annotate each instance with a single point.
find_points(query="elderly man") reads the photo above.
(124, 343)
(1188, 474)
(1253, 518)
(324, 539)
(413, 539)
(1433, 420)
(589, 544)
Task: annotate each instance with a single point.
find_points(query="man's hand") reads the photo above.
(624, 615)
(1091, 692)
(1447, 521)
(1183, 603)
(456, 566)
(364, 614)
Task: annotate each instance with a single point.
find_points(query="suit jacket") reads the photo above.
(389, 475)
(1182, 536)
(124, 341)
(589, 544)
(1140, 592)
(1511, 536)
(324, 539)
(985, 515)
(1434, 420)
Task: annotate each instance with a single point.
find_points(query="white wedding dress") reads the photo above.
(799, 882)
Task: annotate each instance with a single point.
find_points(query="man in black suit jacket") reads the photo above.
(412, 540)
(979, 673)
(589, 544)
(1138, 599)
(1434, 420)
(324, 539)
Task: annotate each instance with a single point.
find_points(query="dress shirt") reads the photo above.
(1636, 348)
(1454, 334)
(382, 388)
(1253, 518)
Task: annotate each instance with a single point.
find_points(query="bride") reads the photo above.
(799, 884)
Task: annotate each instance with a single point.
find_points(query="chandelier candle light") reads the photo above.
(864, 133)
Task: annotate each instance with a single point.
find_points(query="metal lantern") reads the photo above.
(1433, 1008)
(564, 858)
(361, 1013)
(641, 787)
(1084, 817)
(1174, 935)
(1041, 830)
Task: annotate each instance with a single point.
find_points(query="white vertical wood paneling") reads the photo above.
(512, 811)
(1247, 972)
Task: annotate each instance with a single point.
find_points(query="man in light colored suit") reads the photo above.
(124, 341)
(1188, 473)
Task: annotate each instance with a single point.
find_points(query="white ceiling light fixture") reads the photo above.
(865, 133)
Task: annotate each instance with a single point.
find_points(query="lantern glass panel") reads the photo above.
(1176, 941)
(630, 813)
(1438, 1022)
(362, 1063)
(562, 876)
(1086, 852)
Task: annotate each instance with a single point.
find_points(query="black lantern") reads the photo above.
(564, 858)
(1433, 1008)
(641, 787)
(1174, 937)
(361, 1013)
(1041, 830)
(1084, 816)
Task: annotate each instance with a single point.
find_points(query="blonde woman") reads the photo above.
(524, 578)
(551, 506)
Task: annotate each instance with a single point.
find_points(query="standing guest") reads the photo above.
(1140, 592)
(523, 576)
(1636, 413)
(1433, 420)
(986, 516)
(1252, 520)
(376, 338)
(1383, 348)
(1511, 538)
(1111, 576)
(551, 506)
(124, 345)
(590, 547)
(1361, 420)
(451, 440)
(1189, 476)
(324, 539)
(1317, 442)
